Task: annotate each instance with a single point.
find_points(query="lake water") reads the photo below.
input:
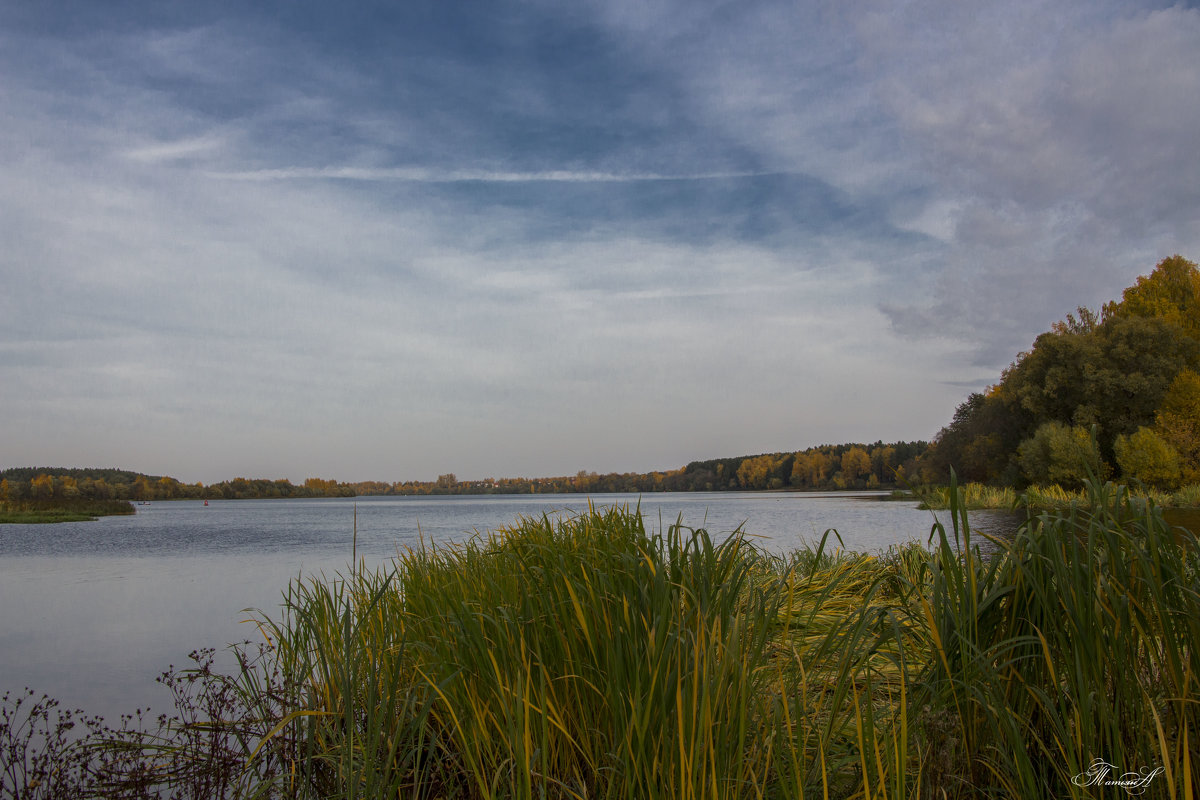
(92, 612)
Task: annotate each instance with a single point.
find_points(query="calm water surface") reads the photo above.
(92, 612)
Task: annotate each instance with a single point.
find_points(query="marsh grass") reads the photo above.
(61, 510)
(1187, 496)
(971, 496)
(977, 496)
(587, 657)
(40, 517)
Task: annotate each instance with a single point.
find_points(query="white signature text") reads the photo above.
(1102, 773)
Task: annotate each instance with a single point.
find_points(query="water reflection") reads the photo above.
(1188, 518)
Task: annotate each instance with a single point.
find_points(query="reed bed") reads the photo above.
(587, 657)
(977, 496)
(970, 496)
(61, 510)
(1187, 496)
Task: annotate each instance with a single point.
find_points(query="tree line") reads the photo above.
(41, 487)
(1108, 393)
(841, 466)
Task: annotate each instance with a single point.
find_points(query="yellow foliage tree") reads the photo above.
(1146, 457)
(855, 464)
(42, 487)
(1178, 423)
(1171, 292)
(801, 464)
(753, 472)
(818, 468)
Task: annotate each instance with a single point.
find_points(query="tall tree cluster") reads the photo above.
(1108, 393)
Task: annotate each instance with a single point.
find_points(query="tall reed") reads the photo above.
(587, 657)
(1072, 643)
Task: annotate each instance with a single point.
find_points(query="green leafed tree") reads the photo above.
(981, 440)
(1062, 454)
(1114, 377)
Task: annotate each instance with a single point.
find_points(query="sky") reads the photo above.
(387, 241)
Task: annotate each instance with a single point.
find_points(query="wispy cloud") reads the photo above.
(176, 150)
(422, 175)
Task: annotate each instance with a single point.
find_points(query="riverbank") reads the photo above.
(977, 496)
(586, 657)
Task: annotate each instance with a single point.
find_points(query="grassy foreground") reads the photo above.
(589, 658)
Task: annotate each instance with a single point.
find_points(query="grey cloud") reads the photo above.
(1047, 146)
(1068, 162)
(1104, 108)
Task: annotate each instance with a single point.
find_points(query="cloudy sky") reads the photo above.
(391, 240)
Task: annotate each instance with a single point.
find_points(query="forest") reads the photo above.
(34, 487)
(842, 466)
(826, 467)
(1113, 393)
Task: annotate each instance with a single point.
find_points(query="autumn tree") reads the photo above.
(1110, 370)
(855, 464)
(42, 487)
(755, 473)
(322, 487)
(143, 489)
(1146, 457)
(1178, 422)
(882, 462)
(818, 468)
(68, 487)
(801, 465)
(1170, 293)
(1114, 377)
